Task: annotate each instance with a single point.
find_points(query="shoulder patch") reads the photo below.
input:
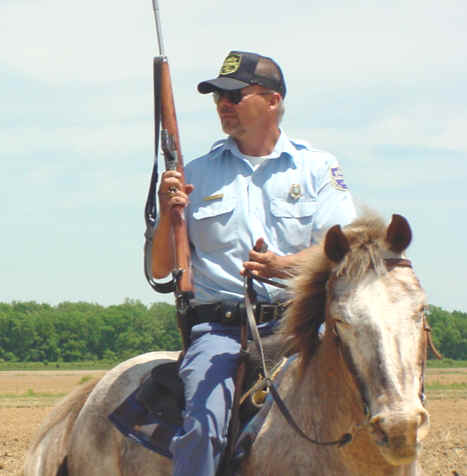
(337, 179)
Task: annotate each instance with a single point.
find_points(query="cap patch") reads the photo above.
(231, 64)
(337, 179)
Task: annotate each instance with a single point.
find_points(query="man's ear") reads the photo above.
(274, 98)
(274, 101)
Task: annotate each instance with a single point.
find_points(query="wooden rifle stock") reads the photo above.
(170, 144)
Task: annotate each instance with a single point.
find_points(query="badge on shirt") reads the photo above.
(337, 179)
(295, 191)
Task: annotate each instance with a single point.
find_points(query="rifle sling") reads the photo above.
(150, 210)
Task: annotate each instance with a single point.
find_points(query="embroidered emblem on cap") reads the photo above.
(231, 64)
(295, 191)
(337, 179)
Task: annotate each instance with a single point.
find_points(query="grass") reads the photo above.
(30, 398)
(446, 371)
(30, 393)
(85, 379)
(84, 365)
(435, 389)
(446, 386)
(446, 364)
(442, 391)
(107, 364)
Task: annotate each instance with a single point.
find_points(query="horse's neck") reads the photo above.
(339, 402)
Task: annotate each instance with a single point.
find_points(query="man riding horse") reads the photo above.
(253, 188)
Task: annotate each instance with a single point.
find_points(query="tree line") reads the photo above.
(449, 331)
(71, 332)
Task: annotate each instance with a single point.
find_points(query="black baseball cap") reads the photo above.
(241, 69)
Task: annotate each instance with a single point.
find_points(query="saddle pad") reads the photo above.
(134, 421)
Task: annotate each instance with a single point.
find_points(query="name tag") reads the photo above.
(217, 196)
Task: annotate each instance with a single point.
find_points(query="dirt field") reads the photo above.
(27, 397)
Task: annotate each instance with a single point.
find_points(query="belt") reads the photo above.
(233, 314)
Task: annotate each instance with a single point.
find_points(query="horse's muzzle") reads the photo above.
(399, 433)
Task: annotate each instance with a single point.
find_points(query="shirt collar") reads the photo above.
(283, 146)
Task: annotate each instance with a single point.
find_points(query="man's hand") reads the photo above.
(266, 264)
(172, 193)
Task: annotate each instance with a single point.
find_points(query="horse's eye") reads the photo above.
(342, 322)
(341, 326)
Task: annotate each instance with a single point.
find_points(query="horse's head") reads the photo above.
(375, 309)
(373, 306)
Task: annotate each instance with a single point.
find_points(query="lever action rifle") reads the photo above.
(165, 126)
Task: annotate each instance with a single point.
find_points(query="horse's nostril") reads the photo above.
(400, 429)
(423, 418)
(423, 424)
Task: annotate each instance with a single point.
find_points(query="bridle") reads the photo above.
(390, 264)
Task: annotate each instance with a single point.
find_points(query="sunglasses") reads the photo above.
(234, 97)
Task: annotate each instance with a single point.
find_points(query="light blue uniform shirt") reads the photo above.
(290, 199)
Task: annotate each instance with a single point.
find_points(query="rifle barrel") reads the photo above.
(157, 20)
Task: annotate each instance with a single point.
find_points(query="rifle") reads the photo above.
(165, 126)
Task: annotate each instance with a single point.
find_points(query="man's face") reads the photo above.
(248, 114)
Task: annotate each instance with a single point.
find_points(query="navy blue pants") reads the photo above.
(208, 372)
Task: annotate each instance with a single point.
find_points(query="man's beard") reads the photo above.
(231, 126)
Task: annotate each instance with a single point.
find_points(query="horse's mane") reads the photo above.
(306, 312)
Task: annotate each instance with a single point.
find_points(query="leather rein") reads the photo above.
(269, 384)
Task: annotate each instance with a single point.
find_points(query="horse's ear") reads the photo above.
(398, 234)
(336, 244)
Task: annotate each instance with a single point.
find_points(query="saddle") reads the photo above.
(162, 393)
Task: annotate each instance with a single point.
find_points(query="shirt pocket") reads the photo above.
(212, 224)
(292, 223)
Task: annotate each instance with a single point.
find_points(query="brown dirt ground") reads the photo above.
(22, 410)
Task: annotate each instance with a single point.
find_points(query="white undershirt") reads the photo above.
(254, 160)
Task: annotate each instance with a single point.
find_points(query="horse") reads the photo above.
(355, 323)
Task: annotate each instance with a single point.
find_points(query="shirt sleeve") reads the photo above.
(335, 203)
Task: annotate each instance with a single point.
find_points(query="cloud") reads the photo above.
(63, 40)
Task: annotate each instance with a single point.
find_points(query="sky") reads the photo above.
(381, 85)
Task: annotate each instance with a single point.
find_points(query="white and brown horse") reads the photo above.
(356, 322)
